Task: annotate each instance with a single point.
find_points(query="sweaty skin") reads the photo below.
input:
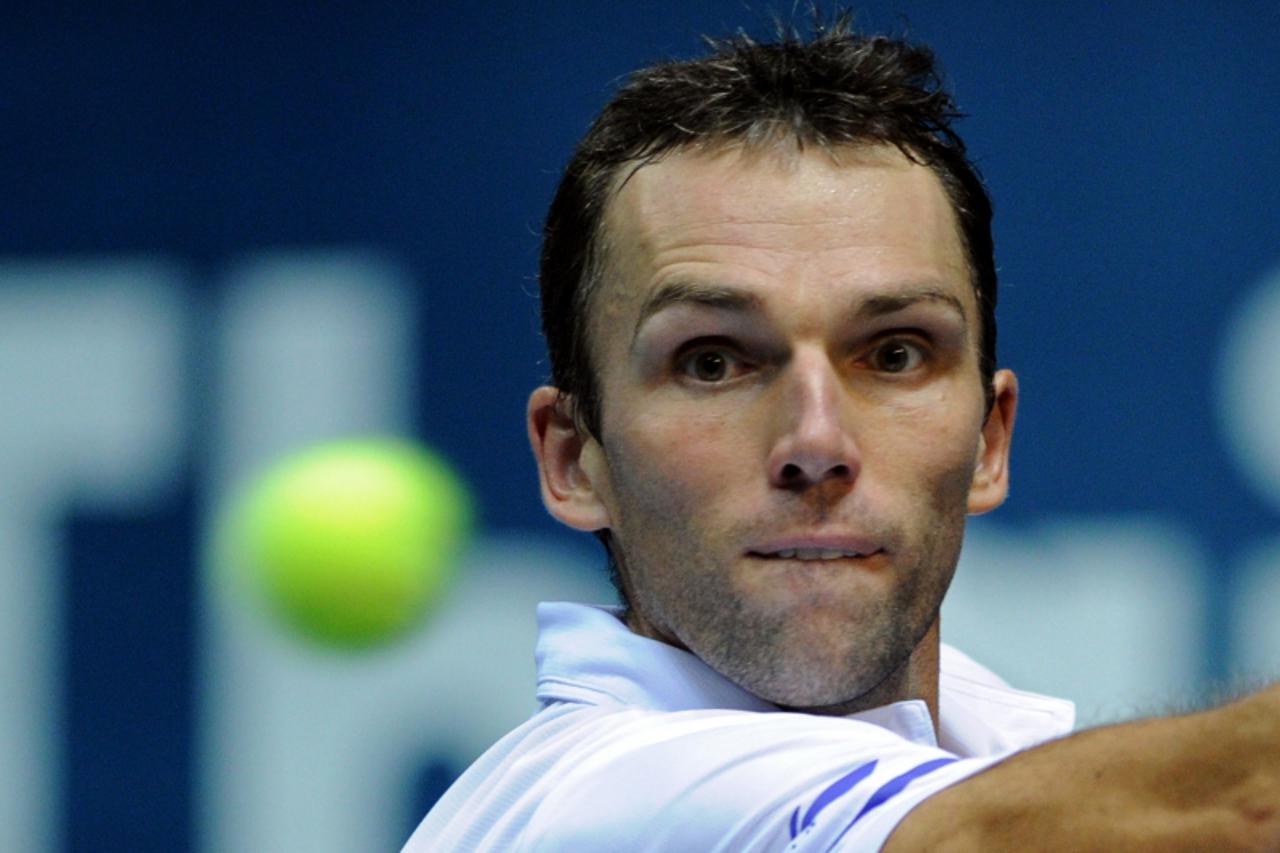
(793, 420)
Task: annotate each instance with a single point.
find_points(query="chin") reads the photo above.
(807, 673)
(838, 697)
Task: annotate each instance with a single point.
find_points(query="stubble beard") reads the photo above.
(838, 665)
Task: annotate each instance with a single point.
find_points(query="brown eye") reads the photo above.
(709, 366)
(897, 357)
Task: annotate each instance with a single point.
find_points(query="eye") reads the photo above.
(709, 365)
(897, 356)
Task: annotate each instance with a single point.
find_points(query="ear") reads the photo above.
(570, 462)
(991, 470)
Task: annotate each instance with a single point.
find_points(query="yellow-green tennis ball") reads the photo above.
(353, 542)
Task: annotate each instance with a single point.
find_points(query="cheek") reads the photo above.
(676, 468)
(929, 442)
(691, 443)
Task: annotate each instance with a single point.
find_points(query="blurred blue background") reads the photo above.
(232, 230)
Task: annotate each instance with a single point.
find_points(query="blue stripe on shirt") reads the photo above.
(832, 792)
(891, 788)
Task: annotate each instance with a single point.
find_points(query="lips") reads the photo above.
(811, 554)
(819, 548)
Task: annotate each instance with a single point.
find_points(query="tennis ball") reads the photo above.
(351, 542)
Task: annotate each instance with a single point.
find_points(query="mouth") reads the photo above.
(815, 550)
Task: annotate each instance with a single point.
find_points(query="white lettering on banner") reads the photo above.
(1107, 612)
(91, 407)
(1249, 409)
(1256, 626)
(1248, 388)
(308, 348)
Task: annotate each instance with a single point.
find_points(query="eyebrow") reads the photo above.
(727, 298)
(701, 294)
(879, 306)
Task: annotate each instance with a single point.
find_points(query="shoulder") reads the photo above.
(714, 779)
(981, 714)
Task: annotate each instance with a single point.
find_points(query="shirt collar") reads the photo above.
(586, 654)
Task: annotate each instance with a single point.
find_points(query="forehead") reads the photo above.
(853, 217)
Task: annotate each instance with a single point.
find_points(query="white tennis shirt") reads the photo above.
(640, 746)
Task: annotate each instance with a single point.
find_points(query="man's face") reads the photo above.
(793, 415)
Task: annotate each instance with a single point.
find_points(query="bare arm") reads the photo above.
(1207, 781)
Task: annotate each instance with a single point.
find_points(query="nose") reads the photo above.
(815, 443)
